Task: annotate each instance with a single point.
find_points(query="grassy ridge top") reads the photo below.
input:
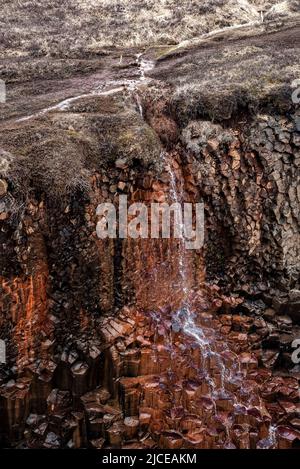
(40, 28)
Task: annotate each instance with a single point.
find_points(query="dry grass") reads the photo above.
(218, 83)
(56, 154)
(72, 28)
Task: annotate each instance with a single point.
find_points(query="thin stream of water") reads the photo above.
(104, 89)
(186, 318)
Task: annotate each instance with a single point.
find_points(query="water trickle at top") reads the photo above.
(104, 88)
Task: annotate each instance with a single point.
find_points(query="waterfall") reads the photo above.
(185, 320)
(185, 315)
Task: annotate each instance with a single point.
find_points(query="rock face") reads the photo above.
(249, 179)
(157, 387)
(137, 342)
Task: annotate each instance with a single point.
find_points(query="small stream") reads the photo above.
(106, 88)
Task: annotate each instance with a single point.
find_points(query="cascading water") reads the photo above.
(185, 314)
(220, 378)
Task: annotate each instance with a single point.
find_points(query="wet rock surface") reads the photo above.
(158, 387)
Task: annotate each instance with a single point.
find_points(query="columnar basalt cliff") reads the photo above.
(140, 342)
